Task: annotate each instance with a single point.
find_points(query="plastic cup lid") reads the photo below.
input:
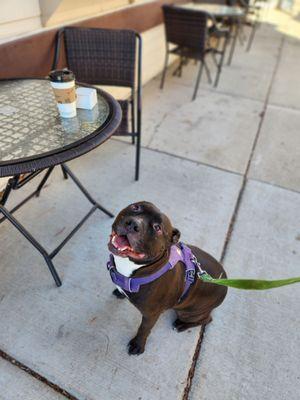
(61, 75)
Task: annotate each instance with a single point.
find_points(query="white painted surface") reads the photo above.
(60, 11)
(18, 16)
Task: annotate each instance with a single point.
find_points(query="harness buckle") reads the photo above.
(190, 275)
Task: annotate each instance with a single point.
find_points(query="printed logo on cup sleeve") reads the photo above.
(65, 96)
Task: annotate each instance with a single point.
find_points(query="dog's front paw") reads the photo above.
(134, 348)
(179, 326)
(118, 294)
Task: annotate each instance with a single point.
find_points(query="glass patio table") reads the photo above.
(224, 13)
(216, 10)
(34, 138)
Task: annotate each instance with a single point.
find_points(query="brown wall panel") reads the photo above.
(32, 56)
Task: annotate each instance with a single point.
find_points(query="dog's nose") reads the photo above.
(132, 225)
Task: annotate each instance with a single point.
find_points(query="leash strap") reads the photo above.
(245, 284)
(249, 284)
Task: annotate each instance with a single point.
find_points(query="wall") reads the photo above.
(24, 16)
(59, 11)
(31, 56)
(19, 16)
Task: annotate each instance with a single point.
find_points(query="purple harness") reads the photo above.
(181, 253)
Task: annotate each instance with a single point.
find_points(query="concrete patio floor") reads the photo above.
(226, 169)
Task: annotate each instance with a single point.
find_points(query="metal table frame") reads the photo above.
(47, 165)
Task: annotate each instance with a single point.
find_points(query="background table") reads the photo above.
(217, 10)
(34, 138)
(233, 15)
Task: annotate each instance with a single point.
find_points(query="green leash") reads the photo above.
(248, 284)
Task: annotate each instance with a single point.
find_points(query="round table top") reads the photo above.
(217, 10)
(32, 134)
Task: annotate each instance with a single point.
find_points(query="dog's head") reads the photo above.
(142, 233)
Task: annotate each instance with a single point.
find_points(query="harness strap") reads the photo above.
(190, 270)
(132, 285)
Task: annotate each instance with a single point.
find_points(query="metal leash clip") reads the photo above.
(201, 271)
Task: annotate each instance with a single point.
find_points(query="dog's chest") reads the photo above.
(125, 267)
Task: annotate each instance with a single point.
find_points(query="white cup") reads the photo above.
(63, 85)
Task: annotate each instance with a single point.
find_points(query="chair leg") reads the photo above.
(9, 187)
(198, 79)
(236, 33)
(207, 72)
(180, 67)
(132, 120)
(241, 35)
(251, 37)
(162, 82)
(213, 54)
(220, 65)
(178, 70)
(138, 156)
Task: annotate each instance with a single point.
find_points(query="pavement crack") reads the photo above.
(156, 128)
(245, 177)
(158, 125)
(37, 376)
(191, 372)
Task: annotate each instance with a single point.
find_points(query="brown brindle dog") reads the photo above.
(141, 240)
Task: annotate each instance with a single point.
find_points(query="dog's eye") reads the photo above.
(157, 227)
(136, 207)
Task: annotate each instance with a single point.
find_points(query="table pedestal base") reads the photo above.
(16, 183)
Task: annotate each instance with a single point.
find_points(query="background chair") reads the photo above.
(108, 57)
(188, 31)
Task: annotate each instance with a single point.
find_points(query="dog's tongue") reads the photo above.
(121, 241)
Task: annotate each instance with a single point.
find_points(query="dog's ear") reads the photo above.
(175, 235)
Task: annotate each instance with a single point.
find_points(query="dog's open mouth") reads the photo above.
(120, 245)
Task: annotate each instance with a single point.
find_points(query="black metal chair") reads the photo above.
(108, 57)
(188, 31)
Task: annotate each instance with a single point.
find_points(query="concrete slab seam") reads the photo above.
(37, 376)
(233, 219)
